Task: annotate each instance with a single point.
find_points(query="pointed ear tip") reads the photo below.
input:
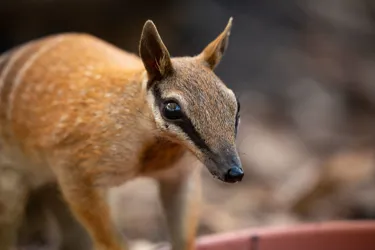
(149, 24)
(230, 23)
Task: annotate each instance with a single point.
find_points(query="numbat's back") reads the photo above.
(79, 111)
(61, 91)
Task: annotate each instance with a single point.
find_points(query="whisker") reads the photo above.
(242, 141)
(243, 153)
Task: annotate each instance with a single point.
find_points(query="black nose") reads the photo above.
(234, 174)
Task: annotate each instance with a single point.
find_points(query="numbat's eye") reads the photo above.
(172, 110)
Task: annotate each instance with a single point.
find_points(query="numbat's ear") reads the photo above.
(214, 51)
(153, 52)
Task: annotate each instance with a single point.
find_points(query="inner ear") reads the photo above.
(212, 54)
(154, 53)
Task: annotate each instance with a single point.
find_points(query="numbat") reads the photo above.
(80, 112)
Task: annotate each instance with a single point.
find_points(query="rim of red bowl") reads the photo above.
(340, 235)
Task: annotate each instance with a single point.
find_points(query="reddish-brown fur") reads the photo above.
(75, 110)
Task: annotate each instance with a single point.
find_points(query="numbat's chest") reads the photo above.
(158, 156)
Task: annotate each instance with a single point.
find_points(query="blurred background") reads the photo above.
(304, 71)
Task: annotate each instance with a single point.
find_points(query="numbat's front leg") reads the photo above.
(89, 205)
(48, 221)
(180, 192)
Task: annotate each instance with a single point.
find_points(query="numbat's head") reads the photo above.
(191, 105)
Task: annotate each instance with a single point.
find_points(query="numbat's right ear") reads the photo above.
(153, 52)
(212, 54)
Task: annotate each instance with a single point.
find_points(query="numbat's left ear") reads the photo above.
(212, 54)
(153, 52)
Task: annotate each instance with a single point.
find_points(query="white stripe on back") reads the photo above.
(19, 77)
(3, 57)
(11, 62)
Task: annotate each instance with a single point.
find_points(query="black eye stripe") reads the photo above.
(237, 116)
(193, 134)
(185, 124)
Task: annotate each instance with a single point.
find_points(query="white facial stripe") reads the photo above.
(158, 116)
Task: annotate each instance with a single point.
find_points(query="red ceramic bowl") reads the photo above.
(345, 235)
